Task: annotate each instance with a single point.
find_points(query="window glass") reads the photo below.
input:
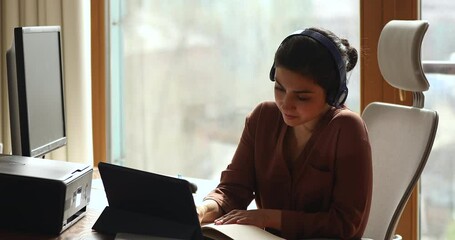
(438, 179)
(185, 74)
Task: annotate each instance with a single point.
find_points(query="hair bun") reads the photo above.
(352, 55)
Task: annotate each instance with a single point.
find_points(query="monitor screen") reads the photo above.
(36, 91)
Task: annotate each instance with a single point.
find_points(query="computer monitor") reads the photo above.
(36, 91)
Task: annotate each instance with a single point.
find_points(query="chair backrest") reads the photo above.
(401, 137)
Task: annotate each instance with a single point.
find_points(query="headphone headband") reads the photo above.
(337, 99)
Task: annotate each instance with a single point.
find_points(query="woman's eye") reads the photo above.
(303, 99)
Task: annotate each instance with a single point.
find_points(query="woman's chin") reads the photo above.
(292, 123)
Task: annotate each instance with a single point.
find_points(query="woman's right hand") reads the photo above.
(208, 211)
(201, 210)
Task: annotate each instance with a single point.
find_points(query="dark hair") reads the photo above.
(306, 56)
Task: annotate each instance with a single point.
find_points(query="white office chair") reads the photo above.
(401, 136)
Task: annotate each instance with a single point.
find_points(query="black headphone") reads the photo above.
(337, 98)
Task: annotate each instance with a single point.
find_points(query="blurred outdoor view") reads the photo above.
(438, 179)
(184, 75)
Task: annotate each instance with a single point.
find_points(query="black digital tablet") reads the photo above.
(147, 203)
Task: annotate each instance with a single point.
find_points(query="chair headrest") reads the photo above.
(399, 54)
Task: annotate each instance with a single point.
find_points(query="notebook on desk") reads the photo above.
(146, 203)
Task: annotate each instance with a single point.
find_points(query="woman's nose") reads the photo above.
(288, 102)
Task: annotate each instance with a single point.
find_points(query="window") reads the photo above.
(437, 209)
(184, 75)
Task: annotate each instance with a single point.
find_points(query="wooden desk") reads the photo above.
(82, 230)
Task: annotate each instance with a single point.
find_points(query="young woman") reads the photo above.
(304, 158)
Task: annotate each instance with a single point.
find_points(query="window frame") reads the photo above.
(98, 64)
(373, 16)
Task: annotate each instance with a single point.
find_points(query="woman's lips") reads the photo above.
(288, 116)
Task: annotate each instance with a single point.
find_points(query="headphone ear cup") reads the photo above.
(339, 97)
(342, 98)
(272, 73)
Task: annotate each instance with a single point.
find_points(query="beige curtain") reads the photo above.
(74, 18)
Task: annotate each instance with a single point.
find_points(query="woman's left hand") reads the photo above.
(261, 218)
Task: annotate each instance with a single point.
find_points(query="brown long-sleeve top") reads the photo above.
(327, 193)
